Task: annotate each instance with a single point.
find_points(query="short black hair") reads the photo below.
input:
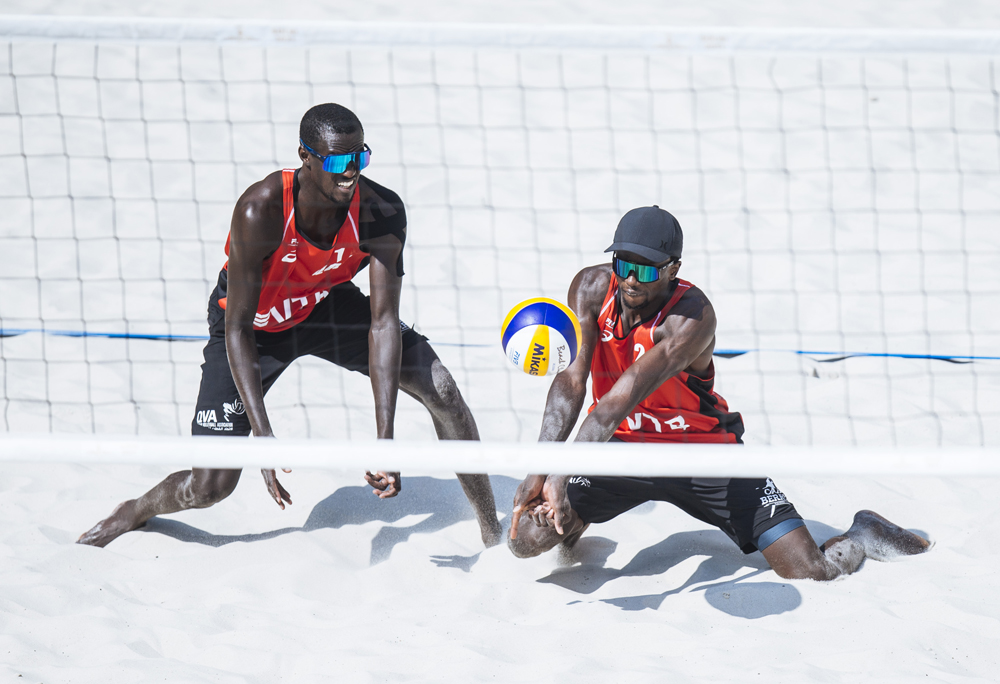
(327, 118)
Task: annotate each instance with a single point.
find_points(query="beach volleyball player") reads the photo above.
(297, 239)
(647, 343)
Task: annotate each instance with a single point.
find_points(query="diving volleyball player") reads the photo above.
(648, 339)
(297, 239)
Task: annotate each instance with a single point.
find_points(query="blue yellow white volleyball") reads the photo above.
(541, 336)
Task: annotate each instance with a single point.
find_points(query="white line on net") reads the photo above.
(508, 458)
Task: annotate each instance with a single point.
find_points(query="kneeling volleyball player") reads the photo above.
(297, 239)
(648, 339)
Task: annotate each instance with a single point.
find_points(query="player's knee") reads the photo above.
(211, 488)
(442, 393)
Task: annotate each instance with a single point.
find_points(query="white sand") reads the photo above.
(343, 587)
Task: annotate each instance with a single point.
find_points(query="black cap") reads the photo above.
(650, 232)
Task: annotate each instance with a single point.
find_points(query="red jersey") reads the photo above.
(685, 408)
(299, 275)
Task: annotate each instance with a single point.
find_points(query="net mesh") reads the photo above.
(839, 207)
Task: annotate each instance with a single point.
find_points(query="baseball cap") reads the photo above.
(650, 232)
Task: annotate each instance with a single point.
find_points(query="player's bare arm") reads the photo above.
(255, 233)
(385, 344)
(569, 388)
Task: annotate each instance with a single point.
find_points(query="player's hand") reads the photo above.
(526, 499)
(386, 485)
(274, 487)
(542, 514)
(556, 497)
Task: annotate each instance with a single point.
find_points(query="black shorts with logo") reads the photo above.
(752, 512)
(336, 330)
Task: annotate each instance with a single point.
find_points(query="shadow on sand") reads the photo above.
(747, 600)
(441, 503)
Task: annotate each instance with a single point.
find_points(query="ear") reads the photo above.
(672, 271)
(304, 156)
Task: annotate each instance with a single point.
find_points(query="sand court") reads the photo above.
(342, 584)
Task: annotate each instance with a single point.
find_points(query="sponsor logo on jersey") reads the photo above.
(290, 257)
(607, 334)
(328, 267)
(580, 480)
(772, 495)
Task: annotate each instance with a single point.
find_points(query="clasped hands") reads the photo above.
(544, 500)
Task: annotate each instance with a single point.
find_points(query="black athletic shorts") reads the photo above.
(752, 512)
(336, 330)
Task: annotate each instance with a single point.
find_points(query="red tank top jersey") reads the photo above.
(299, 275)
(685, 408)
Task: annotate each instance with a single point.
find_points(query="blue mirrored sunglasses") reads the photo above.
(337, 163)
(643, 273)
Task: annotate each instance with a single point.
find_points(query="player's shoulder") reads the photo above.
(693, 293)
(380, 212)
(268, 188)
(694, 303)
(589, 288)
(381, 201)
(263, 199)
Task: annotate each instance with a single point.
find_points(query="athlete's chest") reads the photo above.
(324, 245)
(627, 348)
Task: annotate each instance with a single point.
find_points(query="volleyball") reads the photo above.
(541, 336)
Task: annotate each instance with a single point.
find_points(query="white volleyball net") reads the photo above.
(838, 192)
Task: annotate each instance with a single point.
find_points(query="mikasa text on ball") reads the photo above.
(541, 336)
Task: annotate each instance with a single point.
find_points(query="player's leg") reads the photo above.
(219, 411)
(195, 488)
(796, 555)
(425, 378)
(757, 516)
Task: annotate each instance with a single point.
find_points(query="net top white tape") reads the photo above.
(709, 39)
(503, 458)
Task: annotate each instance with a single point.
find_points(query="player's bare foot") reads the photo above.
(491, 533)
(121, 520)
(884, 540)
